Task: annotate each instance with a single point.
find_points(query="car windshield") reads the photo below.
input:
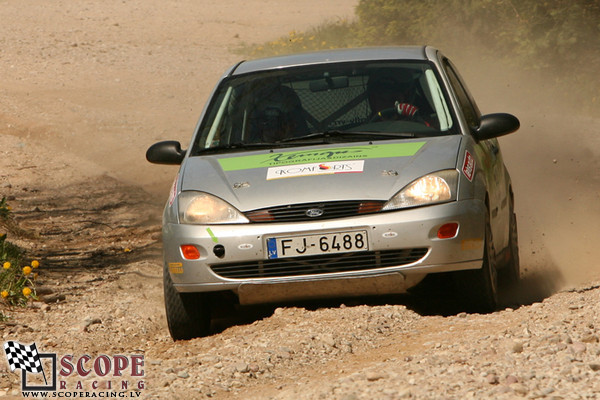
(325, 103)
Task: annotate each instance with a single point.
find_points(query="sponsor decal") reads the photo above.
(176, 268)
(241, 185)
(469, 166)
(212, 235)
(173, 192)
(337, 167)
(471, 244)
(321, 156)
(75, 376)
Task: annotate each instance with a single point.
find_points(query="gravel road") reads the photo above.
(89, 86)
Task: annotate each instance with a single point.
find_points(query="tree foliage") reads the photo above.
(537, 35)
(548, 31)
(557, 40)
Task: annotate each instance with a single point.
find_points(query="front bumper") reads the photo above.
(390, 234)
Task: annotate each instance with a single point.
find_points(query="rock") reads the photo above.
(590, 338)
(375, 375)
(492, 379)
(89, 322)
(594, 367)
(241, 367)
(329, 340)
(53, 298)
(578, 348)
(254, 368)
(517, 347)
(520, 389)
(183, 375)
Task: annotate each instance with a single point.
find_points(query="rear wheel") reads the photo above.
(188, 314)
(479, 287)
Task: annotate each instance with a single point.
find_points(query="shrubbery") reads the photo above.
(559, 39)
(543, 33)
(16, 279)
(327, 36)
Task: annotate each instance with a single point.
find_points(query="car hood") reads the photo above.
(349, 171)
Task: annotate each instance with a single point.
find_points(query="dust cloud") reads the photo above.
(554, 165)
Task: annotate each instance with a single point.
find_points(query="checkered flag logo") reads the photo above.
(23, 357)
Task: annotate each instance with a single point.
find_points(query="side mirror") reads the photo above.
(494, 125)
(168, 152)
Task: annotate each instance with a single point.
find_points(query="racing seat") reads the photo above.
(276, 115)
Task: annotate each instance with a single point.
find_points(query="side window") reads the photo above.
(469, 109)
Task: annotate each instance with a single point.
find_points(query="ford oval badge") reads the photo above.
(314, 212)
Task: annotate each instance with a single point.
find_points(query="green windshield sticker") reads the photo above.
(321, 155)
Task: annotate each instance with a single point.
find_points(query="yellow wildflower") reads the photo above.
(26, 292)
(26, 270)
(35, 263)
(6, 265)
(4, 294)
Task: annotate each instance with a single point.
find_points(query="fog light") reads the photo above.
(190, 252)
(448, 231)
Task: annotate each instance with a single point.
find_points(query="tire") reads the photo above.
(511, 273)
(479, 287)
(188, 314)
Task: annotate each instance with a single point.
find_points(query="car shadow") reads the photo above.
(435, 296)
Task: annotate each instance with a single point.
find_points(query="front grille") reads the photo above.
(321, 264)
(327, 210)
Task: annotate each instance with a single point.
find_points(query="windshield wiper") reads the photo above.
(362, 134)
(240, 146)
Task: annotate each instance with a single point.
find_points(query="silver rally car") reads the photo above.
(332, 174)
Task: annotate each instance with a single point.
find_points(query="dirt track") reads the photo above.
(87, 87)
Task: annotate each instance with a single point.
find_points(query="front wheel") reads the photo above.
(479, 287)
(511, 273)
(188, 314)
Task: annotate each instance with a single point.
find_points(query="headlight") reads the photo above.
(203, 208)
(438, 187)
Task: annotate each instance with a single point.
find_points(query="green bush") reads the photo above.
(16, 281)
(326, 36)
(547, 32)
(558, 38)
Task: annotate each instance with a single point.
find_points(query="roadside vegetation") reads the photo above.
(557, 40)
(17, 278)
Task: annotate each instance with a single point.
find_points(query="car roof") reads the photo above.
(333, 56)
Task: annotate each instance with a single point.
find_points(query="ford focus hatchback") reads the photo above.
(333, 174)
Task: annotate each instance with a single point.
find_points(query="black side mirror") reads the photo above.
(494, 125)
(168, 152)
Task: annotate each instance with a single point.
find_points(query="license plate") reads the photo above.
(326, 243)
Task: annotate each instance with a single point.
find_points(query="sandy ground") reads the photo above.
(87, 86)
(104, 80)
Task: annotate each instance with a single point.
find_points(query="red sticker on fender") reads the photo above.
(469, 166)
